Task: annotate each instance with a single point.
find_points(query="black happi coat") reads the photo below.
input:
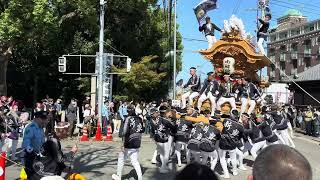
(161, 129)
(231, 135)
(195, 138)
(132, 130)
(183, 128)
(210, 135)
(194, 81)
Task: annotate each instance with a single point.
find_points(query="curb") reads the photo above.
(302, 133)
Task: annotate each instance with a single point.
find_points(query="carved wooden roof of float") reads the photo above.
(232, 45)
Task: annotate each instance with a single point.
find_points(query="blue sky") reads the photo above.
(188, 25)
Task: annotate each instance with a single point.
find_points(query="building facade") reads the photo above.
(293, 46)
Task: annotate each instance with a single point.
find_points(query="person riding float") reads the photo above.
(226, 93)
(194, 86)
(209, 91)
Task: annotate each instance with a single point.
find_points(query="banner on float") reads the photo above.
(203, 7)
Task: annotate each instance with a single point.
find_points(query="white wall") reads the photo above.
(279, 92)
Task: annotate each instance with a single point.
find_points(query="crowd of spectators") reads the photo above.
(308, 120)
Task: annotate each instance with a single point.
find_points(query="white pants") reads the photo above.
(170, 145)
(12, 147)
(281, 140)
(290, 129)
(189, 95)
(213, 158)
(260, 45)
(223, 100)
(223, 162)
(162, 149)
(242, 153)
(178, 147)
(212, 99)
(244, 103)
(154, 157)
(133, 155)
(211, 40)
(256, 147)
(286, 138)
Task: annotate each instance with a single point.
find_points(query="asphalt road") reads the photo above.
(98, 160)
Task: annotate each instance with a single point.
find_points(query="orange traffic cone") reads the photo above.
(109, 135)
(84, 136)
(98, 133)
(23, 174)
(2, 166)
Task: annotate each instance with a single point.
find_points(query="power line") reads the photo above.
(193, 39)
(303, 7)
(272, 3)
(290, 79)
(236, 8)
(313, 5)
(114, 48)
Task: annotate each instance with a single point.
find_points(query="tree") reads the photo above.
(143, 81)
(138, 29)
(39, 31)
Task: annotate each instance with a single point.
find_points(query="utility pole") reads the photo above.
(175, 51)
(100, 72)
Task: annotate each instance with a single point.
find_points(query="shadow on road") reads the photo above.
(94, 160)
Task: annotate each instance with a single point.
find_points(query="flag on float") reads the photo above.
(203, 7)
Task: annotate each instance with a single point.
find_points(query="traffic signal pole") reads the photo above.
(100, 72)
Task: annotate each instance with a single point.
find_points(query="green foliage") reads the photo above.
(42, 30)
(120, 98)
(143, 78)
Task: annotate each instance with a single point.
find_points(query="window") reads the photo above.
(273, 67)
(294, 47)
(309, 28)
(318, 41)
(307, 60)
(271, 52)
(273, 38)
(307, 48)
(295, 32)
(283, 35)
(295, 63)
(283, 65)
(283, 56)
(283, 48)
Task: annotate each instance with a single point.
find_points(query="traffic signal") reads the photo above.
(62, 64)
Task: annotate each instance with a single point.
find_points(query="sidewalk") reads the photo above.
(301, 133)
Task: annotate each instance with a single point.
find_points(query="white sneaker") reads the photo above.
(115, 177)
(225, 176)
(154, 161)
(243, 168)
(234, 172)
